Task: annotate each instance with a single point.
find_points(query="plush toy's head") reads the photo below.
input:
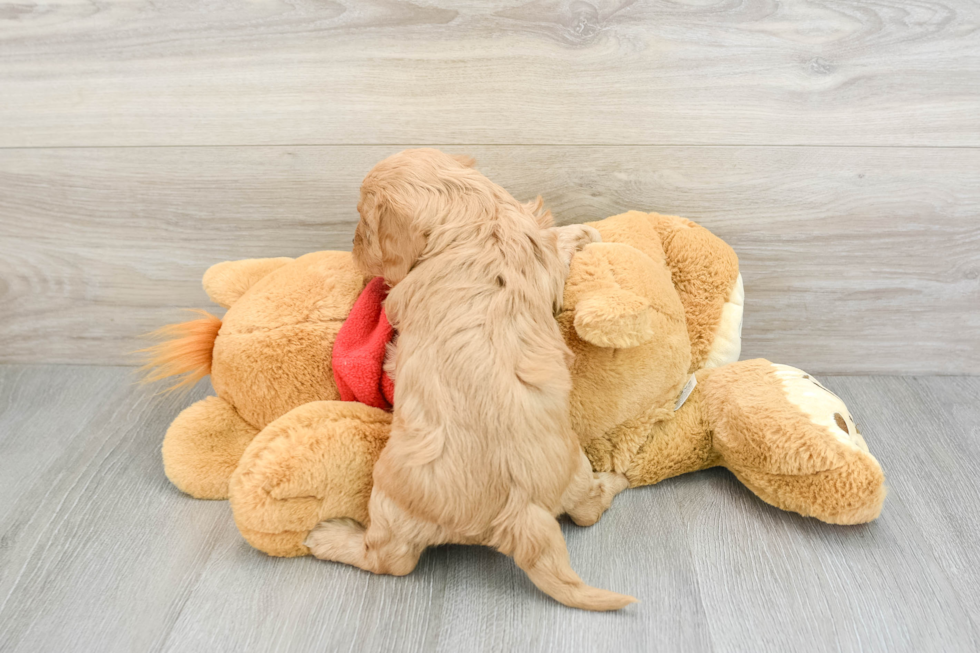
(274, 348)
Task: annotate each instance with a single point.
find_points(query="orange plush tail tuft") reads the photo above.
(185, 351)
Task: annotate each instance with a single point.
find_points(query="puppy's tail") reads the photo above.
(535, 542)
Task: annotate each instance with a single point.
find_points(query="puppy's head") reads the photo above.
(403, 199)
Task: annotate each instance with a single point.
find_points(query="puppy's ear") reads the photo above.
(401, 242)
(465, 161)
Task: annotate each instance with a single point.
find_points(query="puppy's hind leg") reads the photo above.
(392, 544)
(591, 493)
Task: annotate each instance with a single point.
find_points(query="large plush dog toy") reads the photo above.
(653, 315)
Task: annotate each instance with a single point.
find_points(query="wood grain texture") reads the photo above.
(99, 553)
(98, 550)
(855, 260)
(139, 72)
(836, 589)
(934, 474)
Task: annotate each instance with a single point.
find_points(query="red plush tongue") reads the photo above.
(359, 351)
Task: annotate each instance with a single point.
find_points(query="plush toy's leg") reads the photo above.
(590, 494)
(792, 442)
(202, 447)
(312, 464)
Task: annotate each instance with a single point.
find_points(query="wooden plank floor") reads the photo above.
(99, 553)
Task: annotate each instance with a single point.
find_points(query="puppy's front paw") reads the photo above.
(612, 483)
(578, 236)
(573, 238)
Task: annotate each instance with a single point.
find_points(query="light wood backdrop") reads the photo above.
(835, 145)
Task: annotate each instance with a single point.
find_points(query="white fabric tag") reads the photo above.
(686, 392)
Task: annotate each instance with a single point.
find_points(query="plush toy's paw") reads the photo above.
(622, 298)
(821, 405)
(203, 445)
(793, 442)
(727, 344)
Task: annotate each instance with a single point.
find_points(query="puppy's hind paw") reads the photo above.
(333, 539)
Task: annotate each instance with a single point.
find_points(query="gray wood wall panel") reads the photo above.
(98, 552)
(139, 72)
(855, 260)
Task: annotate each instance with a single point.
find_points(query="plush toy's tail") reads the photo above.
(536, 543)
(185, 351)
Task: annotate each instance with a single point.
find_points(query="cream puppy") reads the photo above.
(481, 448)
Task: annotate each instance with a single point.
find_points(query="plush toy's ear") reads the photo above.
(226, 282)
(621, 297)
(614, 318)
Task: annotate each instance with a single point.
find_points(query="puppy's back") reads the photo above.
(482, 407)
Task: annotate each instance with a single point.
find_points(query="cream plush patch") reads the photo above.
(727, 345)
(822, 406)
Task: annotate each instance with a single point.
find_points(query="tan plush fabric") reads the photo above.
(782, 455)
(704, 269)
(226, 282)
(203, 445)
(271, 354)
(679, 444)
(313, 464)
(612, 380)
(641, 311)
(273, 350)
